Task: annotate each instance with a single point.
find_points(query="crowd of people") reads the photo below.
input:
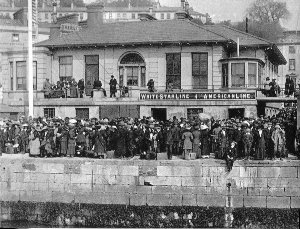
(231, 139)
(72, 89)
(272, 89)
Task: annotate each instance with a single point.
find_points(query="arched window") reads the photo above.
(132, 70)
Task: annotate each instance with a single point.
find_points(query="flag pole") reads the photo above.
(30, 61)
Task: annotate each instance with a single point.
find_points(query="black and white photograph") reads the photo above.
(150, 114)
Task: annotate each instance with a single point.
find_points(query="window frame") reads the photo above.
(292, 49)
(23, 88)
(62, 78)
(49, 110)
(162, 16)
(255, 76)
(231, 75)
(290, 64)
(200, 75)
(172, 74)
(11, 75)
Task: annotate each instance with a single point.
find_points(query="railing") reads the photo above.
(273, 92)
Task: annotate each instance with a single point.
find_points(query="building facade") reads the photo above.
(111, 14)
(201, 63)
(289, 45)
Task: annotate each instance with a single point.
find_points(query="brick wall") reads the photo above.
(156, 183)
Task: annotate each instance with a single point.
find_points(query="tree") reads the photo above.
(268, 11)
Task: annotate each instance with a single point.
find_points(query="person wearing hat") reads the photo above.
(176, 137)
(2, 138)
(113, 86)
(168, 136)
(269, 142)
(24, 137)
(231, 154)
(187, 138)
(121, 140)
(62, 136)
(222, 142)
(197, 141)
(278, 138)
(248, 141)
(259, 141)
(34, 142)
(204, 141)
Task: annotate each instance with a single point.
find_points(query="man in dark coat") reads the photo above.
(176, 136)
(269, 143)
(169, 141)
(259, 140)
(81, 87)
(113, 86)
(121, 140)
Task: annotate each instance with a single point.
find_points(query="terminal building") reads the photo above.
(212, 69)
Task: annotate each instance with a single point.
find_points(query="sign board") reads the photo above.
(68, 27)
(197, 96)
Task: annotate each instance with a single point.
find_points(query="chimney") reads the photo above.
(183, 4)
(13, 4)
(43, 4)
(187, 6)
(95, 15)
(54, 13)
(72, 4)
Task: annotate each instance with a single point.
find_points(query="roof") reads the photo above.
(246, 39)
(137, 32)
(10, 22)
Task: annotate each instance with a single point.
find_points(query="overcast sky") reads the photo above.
(235, 10)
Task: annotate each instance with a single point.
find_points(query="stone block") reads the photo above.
(196, 181)
(126, 180)
(58, 187)
(30, 186)
(165, 189)
(178, 171)
(276, 192)
(255, 201)
(119, 188)
(87, 168)
(55, 168)
(78, 188)
(156, 181)
(143, 189)
(128, 170)
(62, 197)
(292, 191)
(293, 182)
(276, 172)
(235, 172)
(289, 172)
(147, 170)
(189, 200)
(295, 202)
(278, 202)
(88, 198)
(42, 186)
(283, 182)
(114, 180)
(237, 201)
(12, 196)
(72, 167)
(213, 171)
(158, 200)
(17, 186)
(175, 200)
(210, 201)
(81, 179)
(98, 188)
(137, 199)
(118, 199)
(248, 171)
(39, 196)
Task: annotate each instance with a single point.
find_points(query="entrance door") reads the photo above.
(91, 72)
(236, 112)
(159, 114)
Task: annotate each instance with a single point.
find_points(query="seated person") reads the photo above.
(150, 85)
(98, 86)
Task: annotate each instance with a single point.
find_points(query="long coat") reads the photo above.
(260, 144)
(187, 138)
(63, 147)
(205, 142)
(196, 141)
(34, 144)
(71, 142)
(278, 137)
(121, 142)
(100, 144)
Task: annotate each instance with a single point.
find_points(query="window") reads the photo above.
(174, 70)
(133, 15)
(200, 70)
(65, 67)
(252, 74)
(292, 50)
(118, 15)
(21, 75)
(82, 113)
(192, 113)
(238, 74)
(124, 15)
(259, 75)
(292, 64)
(121, 76)
(162, 16)
(11, 73)
(168, 16)
(49, 112)
(224, 75)
(15, 37)
(81, 16)
(46, 16)
(132, 76)
(110, 15)
(143, 77)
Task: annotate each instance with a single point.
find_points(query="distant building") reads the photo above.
(289, 45)
(111, 14)
(13, 62)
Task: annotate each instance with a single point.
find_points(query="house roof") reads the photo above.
(10, 22)
(137, 32)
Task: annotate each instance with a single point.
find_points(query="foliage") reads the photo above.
(268, 11)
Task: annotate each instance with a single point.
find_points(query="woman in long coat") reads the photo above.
(204, 141)
(34, 143)
(63, 136)
(100, 143)
(260, 143)
(196, 141)
(121, 140)
(71, 141)
(187, 138)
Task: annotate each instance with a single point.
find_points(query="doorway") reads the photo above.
(159, 114)
(236, 112)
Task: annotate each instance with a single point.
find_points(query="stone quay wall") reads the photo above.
(260, 184)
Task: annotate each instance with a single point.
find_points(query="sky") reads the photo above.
(234, 10)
